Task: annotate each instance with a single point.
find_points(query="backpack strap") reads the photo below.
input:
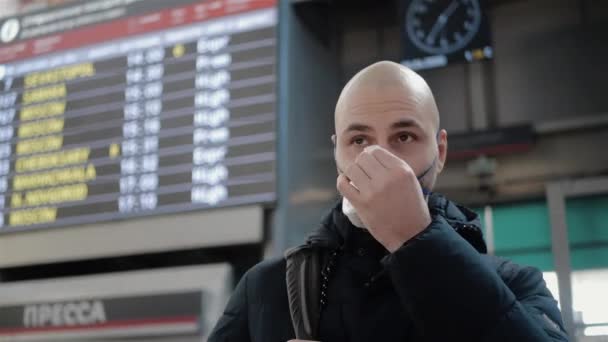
(303, 277)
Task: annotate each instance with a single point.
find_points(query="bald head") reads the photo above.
(385, 86)
(389, 105)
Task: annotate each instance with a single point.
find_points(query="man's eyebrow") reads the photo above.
(357, 127)
(405, 123)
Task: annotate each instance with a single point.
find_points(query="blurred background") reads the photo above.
(152, 151)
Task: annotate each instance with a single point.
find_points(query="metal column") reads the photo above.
(561, 252)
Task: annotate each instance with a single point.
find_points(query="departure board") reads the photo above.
(137, 109)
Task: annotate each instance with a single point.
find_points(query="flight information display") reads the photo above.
(117, 109)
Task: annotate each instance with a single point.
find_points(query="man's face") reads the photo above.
(396, 118)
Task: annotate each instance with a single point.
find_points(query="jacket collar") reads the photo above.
(335, 227)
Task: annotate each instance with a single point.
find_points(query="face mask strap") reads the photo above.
(425, 190)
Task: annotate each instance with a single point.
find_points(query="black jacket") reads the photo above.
(439, 286)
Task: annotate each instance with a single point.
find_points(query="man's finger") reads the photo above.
(370, 165)
(356, 174)
(384, 157)
(346, 189)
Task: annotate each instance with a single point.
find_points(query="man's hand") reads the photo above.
(387, 197)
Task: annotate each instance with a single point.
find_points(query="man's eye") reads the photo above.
(405, 137)
(359, 141)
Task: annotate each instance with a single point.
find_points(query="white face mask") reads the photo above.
(351, 213)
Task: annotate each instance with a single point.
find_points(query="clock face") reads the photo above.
(441, 27)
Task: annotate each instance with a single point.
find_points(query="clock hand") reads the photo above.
(441, 21)
(451, 9)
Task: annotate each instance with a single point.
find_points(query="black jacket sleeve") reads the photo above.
(233, 325)
(453, 293)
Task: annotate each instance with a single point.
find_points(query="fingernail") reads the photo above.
(371, 147)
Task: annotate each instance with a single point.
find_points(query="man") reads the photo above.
(405, 264)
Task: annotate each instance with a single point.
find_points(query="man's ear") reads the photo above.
(333, 139)
(442, 147)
